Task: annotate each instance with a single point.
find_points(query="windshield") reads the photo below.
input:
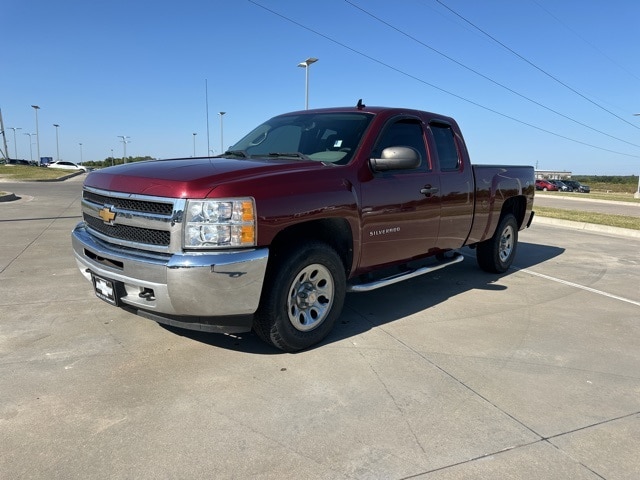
(324, 137)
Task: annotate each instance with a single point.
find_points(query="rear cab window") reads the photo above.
(446, 148)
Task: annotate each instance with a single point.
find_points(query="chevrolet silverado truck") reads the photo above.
(310, 205)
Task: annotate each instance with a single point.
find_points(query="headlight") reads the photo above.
(220, 223)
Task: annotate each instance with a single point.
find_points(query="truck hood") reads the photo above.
(191, 177)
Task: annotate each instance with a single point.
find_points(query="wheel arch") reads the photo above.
(516, 205)
(335, 232)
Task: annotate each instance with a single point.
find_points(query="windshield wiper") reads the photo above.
(237, 153)
(289, 154)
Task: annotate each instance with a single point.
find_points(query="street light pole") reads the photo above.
(306, 65)
(194, 144)
(637, 194)
(124, 146)
(80, 154)
(30, 146)
(206, 99)
(221, 133)
(36, 108)
(57, 144)
(15, 144)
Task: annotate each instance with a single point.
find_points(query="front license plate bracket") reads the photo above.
(108, 290)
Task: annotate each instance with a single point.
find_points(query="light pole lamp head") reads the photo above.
(307, 62)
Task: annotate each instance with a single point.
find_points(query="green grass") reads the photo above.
(27, 173)
(604, 187)
(597, 195)
(620, 221)
(24, 173)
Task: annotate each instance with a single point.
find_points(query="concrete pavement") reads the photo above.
(457, 375)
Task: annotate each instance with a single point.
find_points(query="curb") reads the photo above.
(9, 197)
(61, 179)
(587, 227)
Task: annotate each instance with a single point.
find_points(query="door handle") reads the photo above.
(429, 190)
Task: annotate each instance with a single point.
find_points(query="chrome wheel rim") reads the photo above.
(507, 242)
(310, 297)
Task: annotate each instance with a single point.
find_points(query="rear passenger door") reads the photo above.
(456, 185)
(400, 208)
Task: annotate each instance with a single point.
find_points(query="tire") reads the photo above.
(496, 254)
(302, 297)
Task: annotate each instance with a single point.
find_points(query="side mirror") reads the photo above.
(396, 158)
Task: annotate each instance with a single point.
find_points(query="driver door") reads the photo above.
(401, 208)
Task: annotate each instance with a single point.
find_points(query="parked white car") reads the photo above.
(66, 166)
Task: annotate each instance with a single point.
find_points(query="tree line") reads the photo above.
(110, 161)
(613, 179)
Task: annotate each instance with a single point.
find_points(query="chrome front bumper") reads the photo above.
(191, 284)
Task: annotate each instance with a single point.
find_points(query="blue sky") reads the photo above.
(538, 82)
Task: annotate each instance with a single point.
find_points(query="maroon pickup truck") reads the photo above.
(308, 206)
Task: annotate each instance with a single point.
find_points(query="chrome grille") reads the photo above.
(129, 204)
(128, 233)
(142, 222)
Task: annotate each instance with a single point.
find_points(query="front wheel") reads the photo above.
(302, 298)
(496, 254)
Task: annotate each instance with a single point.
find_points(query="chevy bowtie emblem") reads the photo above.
(107, 215)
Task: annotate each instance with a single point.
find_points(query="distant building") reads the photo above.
(552, 174)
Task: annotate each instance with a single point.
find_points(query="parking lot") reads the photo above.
(456, 375)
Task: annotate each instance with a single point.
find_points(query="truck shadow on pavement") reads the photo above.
(365, 311)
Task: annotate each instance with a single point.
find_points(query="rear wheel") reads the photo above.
(303, 296)
(496, 254)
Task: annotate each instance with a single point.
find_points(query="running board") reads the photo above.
(400, 277)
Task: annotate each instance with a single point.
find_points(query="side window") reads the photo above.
(405, 133)
(446, 147)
